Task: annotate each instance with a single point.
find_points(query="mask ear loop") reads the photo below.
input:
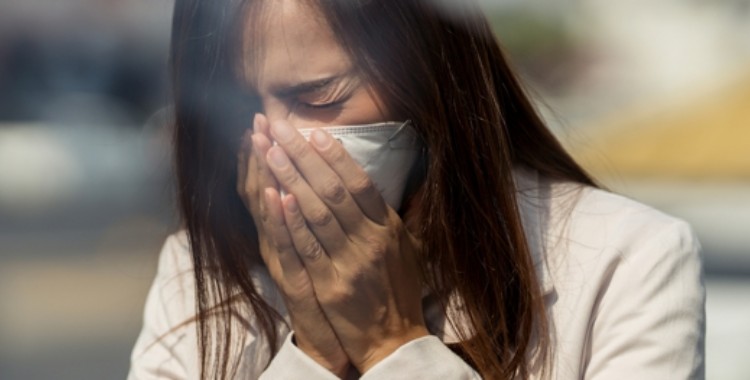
(400, 128)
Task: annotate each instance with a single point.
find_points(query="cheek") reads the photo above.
(367, 106)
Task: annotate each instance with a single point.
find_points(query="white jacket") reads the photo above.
(622, 282)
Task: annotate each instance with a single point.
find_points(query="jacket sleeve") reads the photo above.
(166, 348)
(291, 363)
(650, 321)
(423, 358)
(167, 345)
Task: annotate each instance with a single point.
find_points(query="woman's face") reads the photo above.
(301, 73)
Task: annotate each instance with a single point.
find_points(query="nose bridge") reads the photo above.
(275, 110)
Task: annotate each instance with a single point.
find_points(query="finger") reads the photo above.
(252, 181)
(355, 179)
(318, 216)
(261, 142)
(262, 177)
(243, 157)
(290, 264)
(307, 246)
(324, 181)
(262, 126)
(265, 176)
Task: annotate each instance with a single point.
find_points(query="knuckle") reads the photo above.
(298, 149)
(376, 247)
(297, 224)
(281, 244)
(282, 247)
(247, 184)
(296, 292)
(320, 217)
(333, 191)
(290, 177)
(312, 250)
(248, 189)
(264, 217)
(363, 185)
(337, 154)
(342, 295)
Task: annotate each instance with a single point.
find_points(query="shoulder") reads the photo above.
(638, 284)
(567, 221)
(581, 234)
(630, 247)
(627, 283)
(175, 281)
(167, 344)
(172, 297)
(174, 258)
(598, 235)
(176, 272)
(607, 222)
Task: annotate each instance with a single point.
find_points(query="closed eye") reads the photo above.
(330, 95)
(323, 105)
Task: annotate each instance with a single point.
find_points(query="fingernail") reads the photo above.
(321, 139)
(291, 203)
(256, 121)
(278, 157)
(282, 131)
(268, 194)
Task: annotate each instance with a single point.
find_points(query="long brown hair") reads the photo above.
(450, 77)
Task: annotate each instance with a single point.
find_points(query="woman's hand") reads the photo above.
(313, 332)
(357, 252)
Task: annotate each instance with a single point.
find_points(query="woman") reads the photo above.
(481, 250)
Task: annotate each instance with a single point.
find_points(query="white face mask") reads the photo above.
(390, 153)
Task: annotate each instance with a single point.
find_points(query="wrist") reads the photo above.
(388, 347)
(339, 366)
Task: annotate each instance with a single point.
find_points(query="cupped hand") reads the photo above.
(313, 333)
(358, 254)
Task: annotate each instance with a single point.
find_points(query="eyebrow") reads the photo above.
(310, 86)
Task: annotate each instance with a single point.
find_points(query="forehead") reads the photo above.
(289, 41)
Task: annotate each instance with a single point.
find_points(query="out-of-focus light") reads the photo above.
(37, 170)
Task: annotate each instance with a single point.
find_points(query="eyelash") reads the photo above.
(315, 99)
(323, 105)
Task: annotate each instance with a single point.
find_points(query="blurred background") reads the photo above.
(652, 96)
